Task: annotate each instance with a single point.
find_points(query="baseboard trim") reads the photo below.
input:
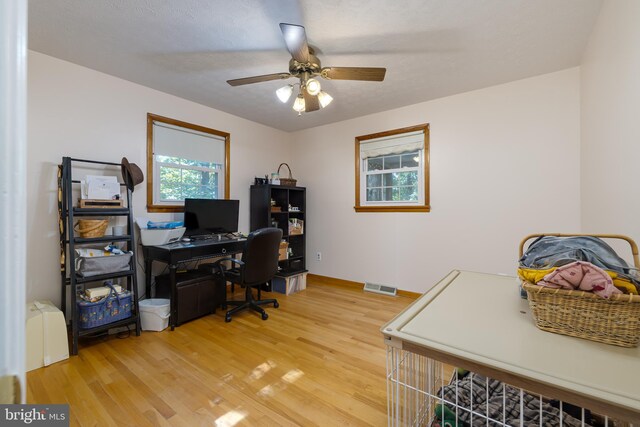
(326, 280)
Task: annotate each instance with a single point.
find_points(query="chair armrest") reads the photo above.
(232, 260)
(218, 264)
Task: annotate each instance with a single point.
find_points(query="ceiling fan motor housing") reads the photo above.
(312, 67)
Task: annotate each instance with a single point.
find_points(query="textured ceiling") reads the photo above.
(431, 48)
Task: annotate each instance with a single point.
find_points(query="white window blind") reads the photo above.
(173, 141)
(395, 144)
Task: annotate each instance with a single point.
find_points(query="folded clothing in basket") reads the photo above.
(547, 253)
(532, 275)
(583, 276)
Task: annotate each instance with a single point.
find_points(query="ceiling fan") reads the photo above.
(304, 65)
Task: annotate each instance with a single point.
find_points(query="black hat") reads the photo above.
(131, 174)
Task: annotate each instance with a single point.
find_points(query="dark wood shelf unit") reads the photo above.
(105, 239)
(262, 216)
(100, 212)
(101, 277)
(106, 327)
(71, 281)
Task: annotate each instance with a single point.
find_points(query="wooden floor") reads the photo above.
(318, 360)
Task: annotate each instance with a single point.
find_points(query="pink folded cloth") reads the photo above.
(581, 275)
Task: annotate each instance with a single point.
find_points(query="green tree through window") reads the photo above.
(183, 178)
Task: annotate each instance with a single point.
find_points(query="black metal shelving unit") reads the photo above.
(262, 215)
(68, 241)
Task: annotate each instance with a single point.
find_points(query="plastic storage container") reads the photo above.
(154, 314)
(159, 236)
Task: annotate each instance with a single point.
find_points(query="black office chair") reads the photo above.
(258, 266)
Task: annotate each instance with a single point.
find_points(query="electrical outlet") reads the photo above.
(318, 256)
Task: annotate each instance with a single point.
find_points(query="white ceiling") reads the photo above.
(431, 48)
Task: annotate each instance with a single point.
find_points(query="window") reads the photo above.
(184, 161)
(179, 179)
(392, 171)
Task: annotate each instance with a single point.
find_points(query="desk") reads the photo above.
(478, 321)
(173, 254)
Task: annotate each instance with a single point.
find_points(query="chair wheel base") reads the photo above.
(276, 305)
(265, 316)
(227, 318)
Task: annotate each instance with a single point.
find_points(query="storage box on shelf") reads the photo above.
(100, 204)
(88, 228)
(283, 253)
(97, 265)
(296, 226)
(289, 284)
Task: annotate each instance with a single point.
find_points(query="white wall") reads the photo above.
(610, 127)
(13, 203)
(505, 162)
(74, 111)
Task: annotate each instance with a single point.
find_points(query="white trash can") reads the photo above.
(154, 314)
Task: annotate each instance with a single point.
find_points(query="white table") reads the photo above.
(479, 322)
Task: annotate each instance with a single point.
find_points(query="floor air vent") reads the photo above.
(380, 289)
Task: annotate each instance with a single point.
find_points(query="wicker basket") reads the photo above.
(91, 227)
(110, 309)
(615, 320)
(290, 182)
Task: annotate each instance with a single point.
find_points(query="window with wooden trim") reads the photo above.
(392, 171)
(184, 161)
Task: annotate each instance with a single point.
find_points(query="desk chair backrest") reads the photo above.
(260, 255)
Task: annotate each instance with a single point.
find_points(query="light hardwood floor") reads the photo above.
(318, 360)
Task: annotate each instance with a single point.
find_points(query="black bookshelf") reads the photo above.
(264, 214)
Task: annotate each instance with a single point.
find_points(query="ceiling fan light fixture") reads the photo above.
(313, 87)
(284, 93)
(324, 98)
(298, 104)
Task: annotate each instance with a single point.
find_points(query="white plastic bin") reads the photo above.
(160, 236)
(154, 314)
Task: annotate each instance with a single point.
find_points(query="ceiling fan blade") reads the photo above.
(310, 102)
(354, 73)
(296, 40)
(258, 79)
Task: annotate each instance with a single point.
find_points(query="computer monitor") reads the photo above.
(210, 216)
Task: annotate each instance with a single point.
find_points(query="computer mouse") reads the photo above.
(185, 239)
